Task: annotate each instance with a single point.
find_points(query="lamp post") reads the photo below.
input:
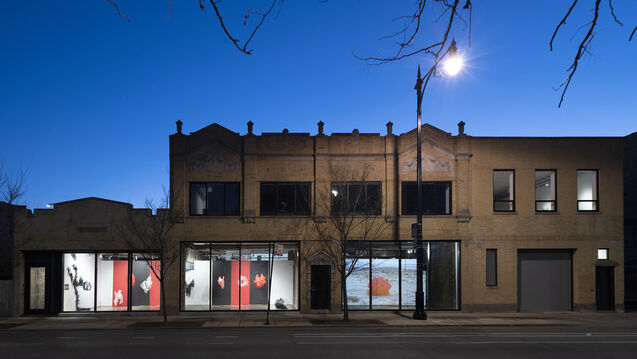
(452, 67)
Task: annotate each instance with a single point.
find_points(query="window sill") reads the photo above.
(505, 213)
(429, 216)
(588, 213)
(202, 217)
(544, 213)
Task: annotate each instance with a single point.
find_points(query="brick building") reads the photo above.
(511, 224)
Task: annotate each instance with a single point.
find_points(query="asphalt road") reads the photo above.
(323, 342)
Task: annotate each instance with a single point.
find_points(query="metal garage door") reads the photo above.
(544, 280)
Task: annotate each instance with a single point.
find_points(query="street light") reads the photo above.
(452, 66)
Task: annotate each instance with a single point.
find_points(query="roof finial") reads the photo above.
(250, 125)
(320, 127)
(179, 123)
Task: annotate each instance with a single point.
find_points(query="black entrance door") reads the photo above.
(321, 287)
(42, 283)
(605, 288)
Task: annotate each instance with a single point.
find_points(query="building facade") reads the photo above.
(510, 224)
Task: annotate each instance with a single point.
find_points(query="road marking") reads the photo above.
(551, 342)
(143, 337)
(219, 343)
(65, 338)
(226, 336)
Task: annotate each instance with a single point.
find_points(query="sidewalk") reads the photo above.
(295, 319)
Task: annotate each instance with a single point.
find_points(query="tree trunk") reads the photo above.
(162, 305)
(344, 292)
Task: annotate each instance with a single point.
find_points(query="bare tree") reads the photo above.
(584, 44)
(150, 233)
(348, 214)
(11, 185)
(410, 37)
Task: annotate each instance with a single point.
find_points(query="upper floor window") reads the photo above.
(436, 198)
(214, 199)
(356, 197)
(285, 198)
(545, 194)
(587, 191)
(503, 190)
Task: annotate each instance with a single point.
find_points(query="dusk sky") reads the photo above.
(88, 99)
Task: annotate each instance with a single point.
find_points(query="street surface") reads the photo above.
(324, 342)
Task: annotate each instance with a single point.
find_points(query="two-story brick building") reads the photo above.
(511, 224)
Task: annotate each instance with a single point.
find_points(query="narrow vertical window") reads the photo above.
(503, 191)
(587, 191)
(545, 185)
(492, 267)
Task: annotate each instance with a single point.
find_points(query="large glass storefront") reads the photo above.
(239, 276)
(103, 281)
(384, 275)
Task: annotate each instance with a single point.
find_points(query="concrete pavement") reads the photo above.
(295, 319)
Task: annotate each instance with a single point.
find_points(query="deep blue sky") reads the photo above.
(87, 99)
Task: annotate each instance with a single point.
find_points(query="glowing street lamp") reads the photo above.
(452, 66)
(454, 62)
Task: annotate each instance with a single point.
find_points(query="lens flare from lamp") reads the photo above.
(453, 65)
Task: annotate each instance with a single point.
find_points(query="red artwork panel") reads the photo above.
(240, 283)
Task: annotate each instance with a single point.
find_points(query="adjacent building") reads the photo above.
(511, 224)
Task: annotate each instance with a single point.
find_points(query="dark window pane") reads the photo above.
(373, 205)
(436, 198)
(339, 193)
(268, 199)
(285, 198)
(303, 198)
(232, 199)
(503, 206)
(409, 198)
(492, 275)
(355, 198)
(197, 198)
(215, 199)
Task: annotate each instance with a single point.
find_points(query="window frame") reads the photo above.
(596, 201)
(554, 201)
(403, 210)
(377, 211)
(205, 210)
(294, 213)
(511, 190)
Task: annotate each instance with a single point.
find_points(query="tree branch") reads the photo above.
(119, 13)
(244, 49)
(563, 22)
(581, 50)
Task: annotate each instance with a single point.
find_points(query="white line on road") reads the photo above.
(226, 336)
(551, 342)
(218, 343)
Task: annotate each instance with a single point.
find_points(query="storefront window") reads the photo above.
(145, 286)
(112, 281)
(384, 286)
(358, 281)
(225, 280)
(285, 280)
(242, 274)
(408, 275)
(196, 269)
(79, 282)
(255, 266)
